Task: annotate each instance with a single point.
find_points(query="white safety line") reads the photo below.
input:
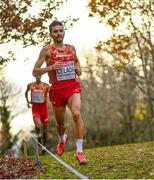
(81, 176)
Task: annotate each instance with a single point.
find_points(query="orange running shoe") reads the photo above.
(60, 146)
(81, 158)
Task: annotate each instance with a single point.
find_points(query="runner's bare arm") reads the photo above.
(77, 64)
(48, 88)
(26, 95)
(43, 56)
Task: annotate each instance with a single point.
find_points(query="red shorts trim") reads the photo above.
(59, 97)
(40, 111)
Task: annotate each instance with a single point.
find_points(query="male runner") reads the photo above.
(62, 68)
(39, 91)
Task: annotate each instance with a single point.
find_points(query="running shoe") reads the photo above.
(81, 158)
(60, 146)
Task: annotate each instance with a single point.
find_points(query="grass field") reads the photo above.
(130, 161)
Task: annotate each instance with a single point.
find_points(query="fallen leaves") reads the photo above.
(13, 168)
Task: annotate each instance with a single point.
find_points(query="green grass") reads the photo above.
(130, 161)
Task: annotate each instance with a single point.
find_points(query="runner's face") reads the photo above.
(58, 33)
(38, 78)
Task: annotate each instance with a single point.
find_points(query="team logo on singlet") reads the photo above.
(63, 55)
(66, 72)
(37, 96)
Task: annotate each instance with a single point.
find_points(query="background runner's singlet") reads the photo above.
(38, 93)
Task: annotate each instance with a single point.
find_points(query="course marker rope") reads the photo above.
(78, 174)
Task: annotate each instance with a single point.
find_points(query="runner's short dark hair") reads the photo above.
(55, 23)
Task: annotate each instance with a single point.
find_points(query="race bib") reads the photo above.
(66, 72)
(37, 96)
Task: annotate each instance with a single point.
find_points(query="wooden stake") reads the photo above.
(38, 172)
(37, 161)
(25, 148)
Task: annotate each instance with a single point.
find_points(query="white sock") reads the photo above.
(79, 143)
(61, 138)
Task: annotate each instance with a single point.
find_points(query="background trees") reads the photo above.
(9, 94)
(21, 21)
(26, 22)
(130, 49)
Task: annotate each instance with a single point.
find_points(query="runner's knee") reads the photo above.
(44, 128)
(37, 123)
(76, 115)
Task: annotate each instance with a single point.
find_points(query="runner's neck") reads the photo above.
(39, 82)
(58, 46)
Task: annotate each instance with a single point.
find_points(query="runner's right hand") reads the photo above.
(57, 65)
(29, 105)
